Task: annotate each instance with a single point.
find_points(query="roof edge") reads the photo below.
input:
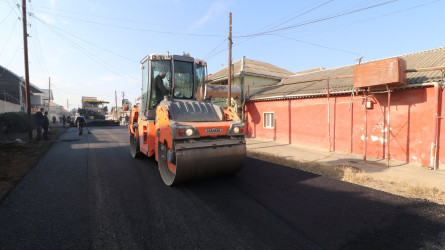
(285, 97)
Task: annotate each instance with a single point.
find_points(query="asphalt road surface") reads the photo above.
(87, 192)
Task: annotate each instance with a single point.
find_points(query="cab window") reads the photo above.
(183, 80)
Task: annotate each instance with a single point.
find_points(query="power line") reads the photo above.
(317, 20)
(69, 92)
(217, 46)
(111, 18)
(332, 27)
(84, 51)
(302, 14)
(17, 6)
(6, 17)
(9, 38)
(36, 40)
(36, 49)
(399, 11)
(318, 45)
(97, 46)
(285, 21)
(87, 53)
(136, 29)
(10, 61)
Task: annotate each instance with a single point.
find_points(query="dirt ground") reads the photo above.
(16, 158)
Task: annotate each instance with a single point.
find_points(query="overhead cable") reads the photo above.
(95, 45)
(110, 18)
(6, 17)
(138, 29)
(86, 52)
(316, 21)
(318, 45)
(217, 46)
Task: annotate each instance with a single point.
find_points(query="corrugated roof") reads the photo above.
(253, 67)
(304, 84)
(9, 81)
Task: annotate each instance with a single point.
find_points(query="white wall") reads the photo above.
(8, 107)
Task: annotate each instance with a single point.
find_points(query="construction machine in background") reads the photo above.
(94, 111)
(190, 137)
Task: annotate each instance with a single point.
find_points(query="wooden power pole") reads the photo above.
(25, 45)
(49, 98)
(229, 76)
(115, 96)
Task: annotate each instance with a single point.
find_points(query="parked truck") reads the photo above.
(190, 137)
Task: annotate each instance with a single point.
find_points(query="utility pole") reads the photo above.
(115, 96)
(122, 102)
(25, 45)
(49, 97)
(229, 76)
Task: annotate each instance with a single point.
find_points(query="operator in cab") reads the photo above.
(160, 88)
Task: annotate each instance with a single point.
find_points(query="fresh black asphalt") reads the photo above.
(88, 193)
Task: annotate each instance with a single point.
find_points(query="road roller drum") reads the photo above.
(204, 162)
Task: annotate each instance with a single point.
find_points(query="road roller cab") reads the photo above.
(190, 137)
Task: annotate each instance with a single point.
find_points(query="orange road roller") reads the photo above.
(190, 137)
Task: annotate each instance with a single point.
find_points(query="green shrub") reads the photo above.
(13, 122)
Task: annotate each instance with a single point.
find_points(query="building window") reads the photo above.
(269, 120)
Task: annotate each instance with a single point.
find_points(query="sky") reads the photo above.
(94, 48)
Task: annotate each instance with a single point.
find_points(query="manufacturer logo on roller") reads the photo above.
(213, 130)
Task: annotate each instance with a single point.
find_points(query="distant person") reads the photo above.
(82, 122)
(38, 121)
(64, 120)
(127, 119)
(60, 119)
(54, 119)
(45, 126)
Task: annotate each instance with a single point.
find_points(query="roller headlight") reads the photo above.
(185, 132)
(236, 130)
(189, 132)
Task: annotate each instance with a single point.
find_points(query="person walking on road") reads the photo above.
(38, 122)
(45, 126)
(82, 122)
(54, 119)
(127, 119)
(63, 120)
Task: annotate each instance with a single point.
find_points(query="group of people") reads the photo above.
(41, 122)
